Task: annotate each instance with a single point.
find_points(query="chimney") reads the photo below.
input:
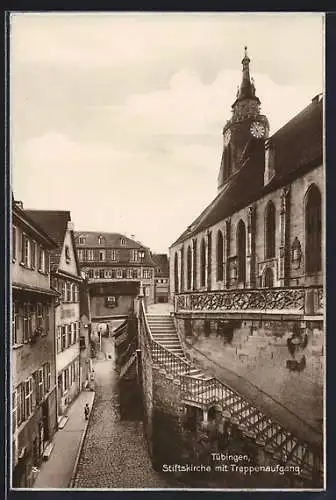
(132, 236)
(71, 225)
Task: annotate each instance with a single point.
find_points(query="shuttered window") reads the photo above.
(14, 410)
(13, 242)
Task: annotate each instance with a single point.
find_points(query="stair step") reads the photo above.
(165, 321)
(172, 347)
(162, 325)
(157, 326)
(168, 337)
(168, 341)
(158, 316)
(164, 330)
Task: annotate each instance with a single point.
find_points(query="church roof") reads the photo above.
(299, 141)
(298, 147)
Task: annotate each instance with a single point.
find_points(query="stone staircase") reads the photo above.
(163, 331)
(199, 390)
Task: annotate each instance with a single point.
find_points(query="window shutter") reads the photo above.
(39, 259)
(14, 410)
(47, 263)
(34, 387)
(48, 377)
(41, 383)
(23, 246)
(13, 242)
(18, 405)
(59, 339)
(26, 399)
(33, 254)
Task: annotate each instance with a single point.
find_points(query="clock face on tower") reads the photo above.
(227, 137)
(258, 130)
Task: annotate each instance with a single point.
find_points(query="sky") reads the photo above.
(118, 117)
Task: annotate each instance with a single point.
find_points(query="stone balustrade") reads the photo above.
(295, 300)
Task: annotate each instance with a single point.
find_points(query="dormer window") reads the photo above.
(67, 254)
(81, 240)
(141, 255)
(122, 242)
(100, 240)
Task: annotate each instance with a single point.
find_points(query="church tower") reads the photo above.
(247, 130)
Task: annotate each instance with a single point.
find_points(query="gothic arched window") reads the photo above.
(195, 264)
(270, 230)
(202, 262)
(227, 161)
(241, 251)
(268, 278)
(176, 274)
(220, 246)
(182, 270)
(189, 269)
(209, 257)
(313, 230)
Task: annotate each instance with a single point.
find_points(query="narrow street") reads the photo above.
(115, 453)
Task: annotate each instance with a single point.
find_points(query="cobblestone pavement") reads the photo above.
(115, 453)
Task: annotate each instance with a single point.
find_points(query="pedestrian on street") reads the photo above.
(86, 411)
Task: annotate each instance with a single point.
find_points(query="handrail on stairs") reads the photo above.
(211, 390)
(157, 344)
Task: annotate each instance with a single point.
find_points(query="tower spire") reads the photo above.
(246, 90)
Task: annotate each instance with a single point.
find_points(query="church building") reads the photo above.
(247, 274)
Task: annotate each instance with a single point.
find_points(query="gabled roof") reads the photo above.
(20, 215)
(297, 146)
(55, 223)
(162, 264)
